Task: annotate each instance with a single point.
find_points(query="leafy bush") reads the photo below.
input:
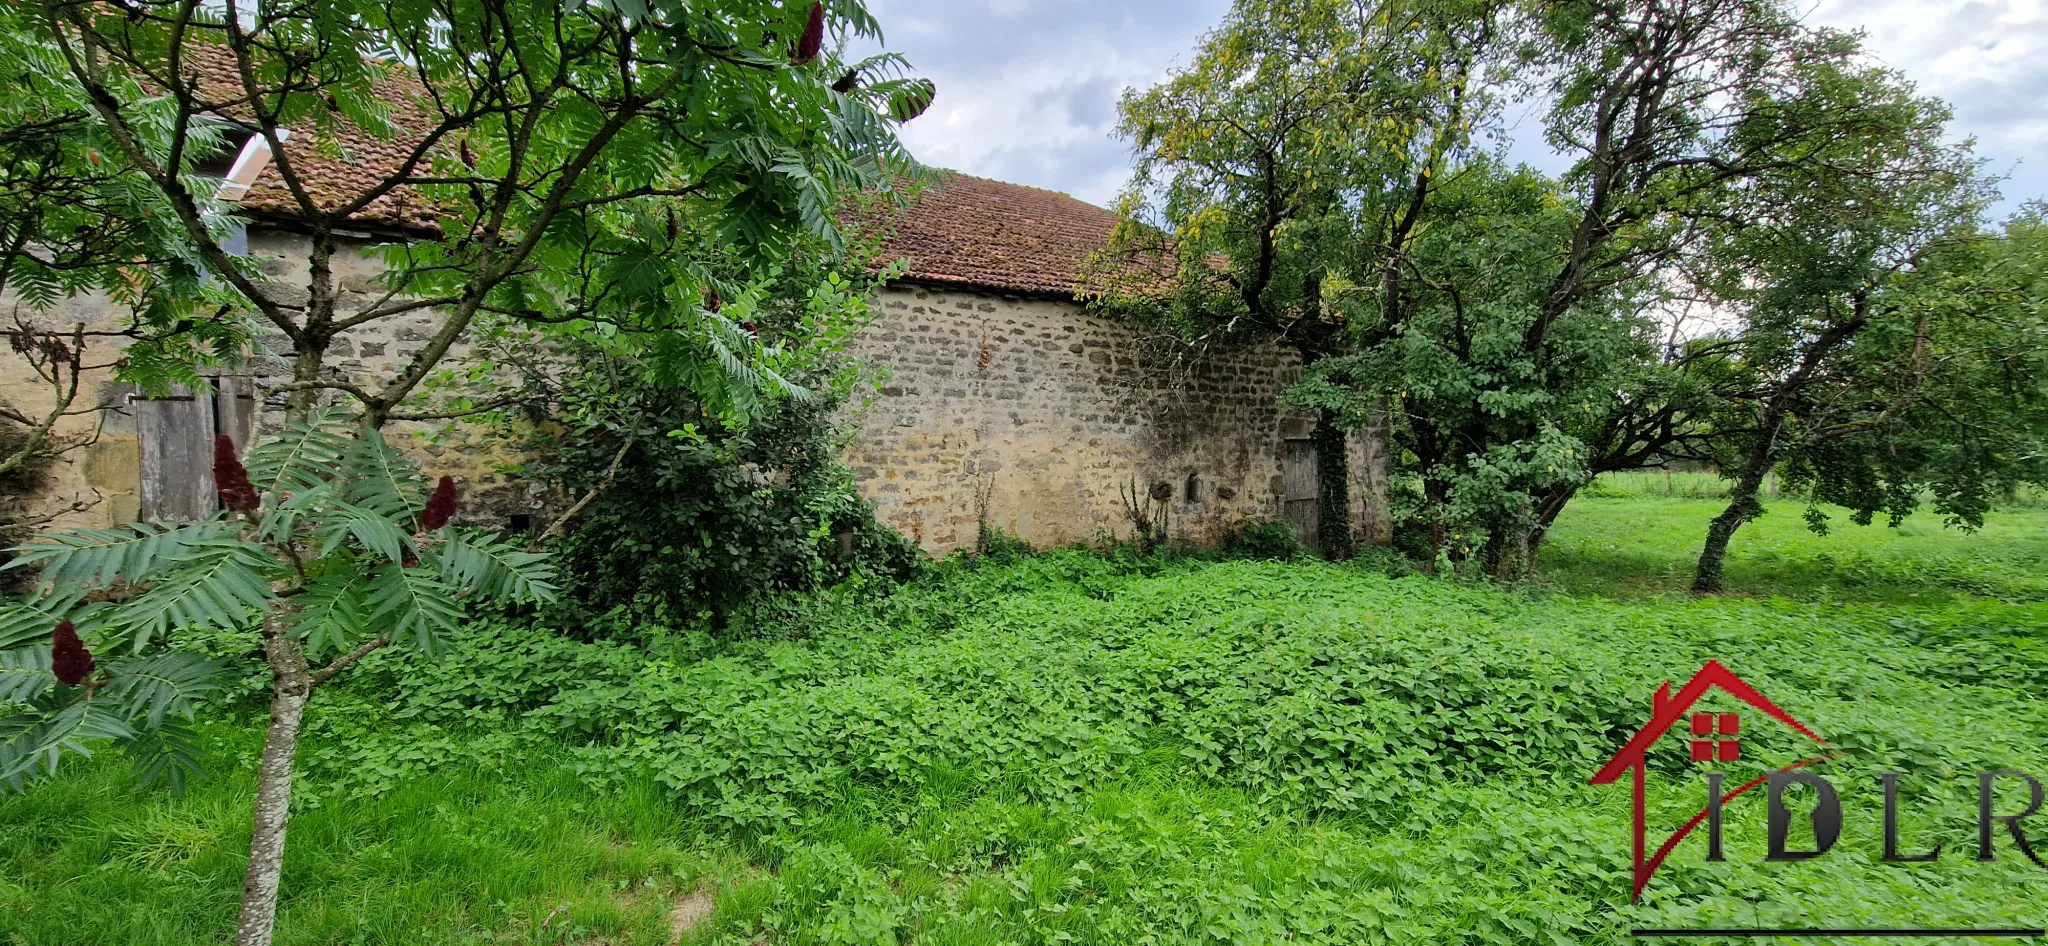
(1000, 546)
(700, 520)
(1253, 537)
(18, 488)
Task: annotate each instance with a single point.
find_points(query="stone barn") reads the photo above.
(1007, 402)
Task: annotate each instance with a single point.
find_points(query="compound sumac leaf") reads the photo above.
(913, 100)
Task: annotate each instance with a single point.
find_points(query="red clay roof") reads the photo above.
(965, 231)
(972, 231)
(335, 169)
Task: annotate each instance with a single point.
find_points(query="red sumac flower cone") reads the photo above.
(69, 659)
(229, 478)
(813, 39)
(440, 506)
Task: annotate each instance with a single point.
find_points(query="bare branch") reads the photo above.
(347, 660)
(562, 522)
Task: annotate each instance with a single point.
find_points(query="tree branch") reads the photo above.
(346, 660)
(561, 523)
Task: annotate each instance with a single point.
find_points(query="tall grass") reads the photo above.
(2025, 496)
(467, 855)
(1646, 545)
(1663, 484)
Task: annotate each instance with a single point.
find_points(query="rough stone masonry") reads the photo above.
(1006, 402)
(1038, 417)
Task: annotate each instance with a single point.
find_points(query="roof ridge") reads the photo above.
(1027, 187)
(982, 233)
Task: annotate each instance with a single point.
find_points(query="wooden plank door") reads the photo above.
(1302, 497)
(176, 433)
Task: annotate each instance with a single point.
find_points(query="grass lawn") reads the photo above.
(1629, 547)
(1073, 749)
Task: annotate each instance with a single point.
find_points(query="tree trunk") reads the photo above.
(1374, 439)
(1504, 556)
(1547, 510)
(291, 679)
(291, 687)
(1742, 507)
(1764, 453)
(1333, 467)
(1435, 494)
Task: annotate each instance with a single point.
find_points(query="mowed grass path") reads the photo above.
(1637, 546)
(1079, 750)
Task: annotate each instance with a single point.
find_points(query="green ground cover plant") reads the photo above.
(1071, 747)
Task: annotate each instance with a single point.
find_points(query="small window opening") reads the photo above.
(520, 522)
(1194, 488)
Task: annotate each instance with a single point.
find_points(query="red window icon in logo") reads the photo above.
(1716, 737)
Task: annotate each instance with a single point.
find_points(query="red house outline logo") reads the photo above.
(1666, 711)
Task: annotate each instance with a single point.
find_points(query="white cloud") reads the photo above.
(1988, 58)
(1027, 88)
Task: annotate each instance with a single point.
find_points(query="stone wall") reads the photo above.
(106, 473)
(1040, 418)
(1028, 412)
(372, 355)
(69, 479)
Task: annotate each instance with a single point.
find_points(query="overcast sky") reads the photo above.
(1028, 88)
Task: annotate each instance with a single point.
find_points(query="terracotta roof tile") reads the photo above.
(967, 231)
(334, 169)
(972, 231)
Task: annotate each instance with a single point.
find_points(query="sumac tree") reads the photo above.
(558, 161)
(553, 160)
(327, 518)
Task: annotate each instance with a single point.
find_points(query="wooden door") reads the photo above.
(1302, 499)
(176, 432)
(234, 410)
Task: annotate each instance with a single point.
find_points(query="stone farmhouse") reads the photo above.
(1007, 400)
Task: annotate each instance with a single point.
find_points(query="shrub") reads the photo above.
(18, 489)
(1254, 537)
(702, 520)
(1000, 546)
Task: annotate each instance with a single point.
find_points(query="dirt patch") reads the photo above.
(690, 912)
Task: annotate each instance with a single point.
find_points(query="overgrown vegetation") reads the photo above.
(639, 204)
(1097, 749)
(593, 174)
(699, 520)
(329, 543)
